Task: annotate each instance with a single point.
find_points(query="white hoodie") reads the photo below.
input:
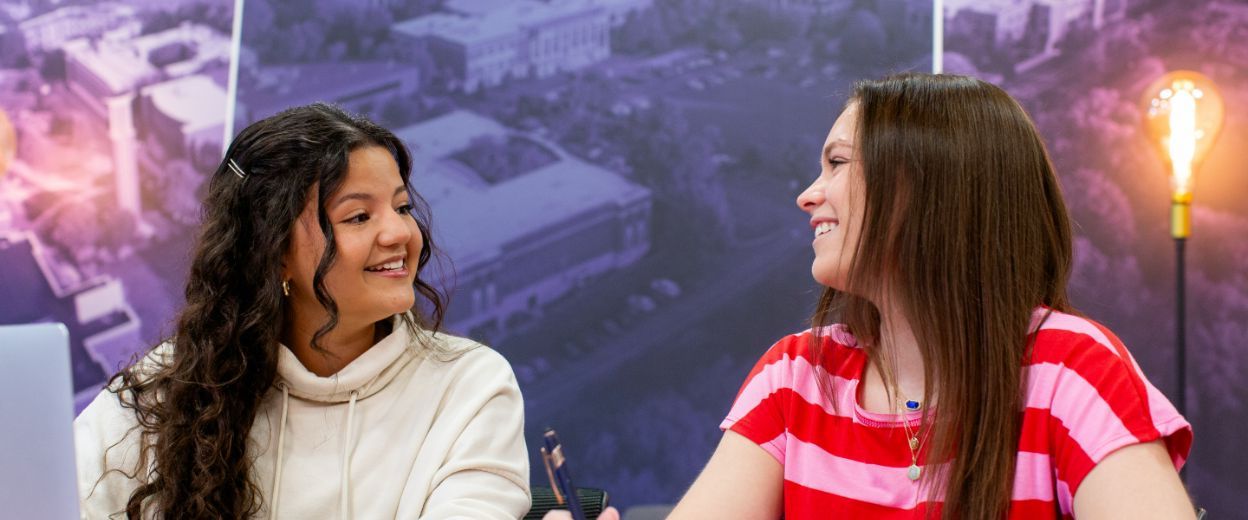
(403, 431)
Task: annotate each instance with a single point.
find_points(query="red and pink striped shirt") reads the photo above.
(1085, 398)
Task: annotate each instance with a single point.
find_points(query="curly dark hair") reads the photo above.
(196, 401)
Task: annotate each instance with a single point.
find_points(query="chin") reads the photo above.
(401, 305)
(823, 277)
(383, 306)
(829, 281)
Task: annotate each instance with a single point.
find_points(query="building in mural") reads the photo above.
(110, 76)
(101, 324)
(175, 128)
(481, 43)
(522, 238)
(356, 86)
(618, 11)
(99, 69)
(807, 7)
(52, 30)
(1031, 30)
(179, 142)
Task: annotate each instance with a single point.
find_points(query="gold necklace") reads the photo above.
(912, 438)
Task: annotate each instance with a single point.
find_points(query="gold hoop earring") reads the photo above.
(285, 287)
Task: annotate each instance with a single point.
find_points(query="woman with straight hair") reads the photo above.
(303, 379)
(957, 381)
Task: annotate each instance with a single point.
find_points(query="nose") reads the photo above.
(812, 196)
(395, 230)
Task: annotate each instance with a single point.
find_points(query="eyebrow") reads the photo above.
(828, 147)
(362, 196)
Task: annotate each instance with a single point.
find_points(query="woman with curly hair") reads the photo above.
(303, 379)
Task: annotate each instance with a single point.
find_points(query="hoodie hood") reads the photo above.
(361, 378)
(365, 376)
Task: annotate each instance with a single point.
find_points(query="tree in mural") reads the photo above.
(218, 15)
(497, 159)
(584, 117)
(676, 161)
(177, 188)
(291, 32)
(626, 449)
(1220, 308)
(864, 35)
(644, 32)
(88, 231)
(715, 25)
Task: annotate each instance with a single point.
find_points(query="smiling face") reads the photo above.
(378, 245)
(835, 203)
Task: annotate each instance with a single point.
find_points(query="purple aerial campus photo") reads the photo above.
(612, 181)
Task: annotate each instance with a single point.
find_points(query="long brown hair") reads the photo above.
(196, 401)
(965, 228)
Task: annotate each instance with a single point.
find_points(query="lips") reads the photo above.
(390, 264)
(823, 226)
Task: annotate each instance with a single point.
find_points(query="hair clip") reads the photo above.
(234, 168)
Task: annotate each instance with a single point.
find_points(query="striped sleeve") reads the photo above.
(758, 413)
(1097, 400)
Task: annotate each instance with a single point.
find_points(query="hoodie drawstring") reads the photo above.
(281, 446)
(346, 458)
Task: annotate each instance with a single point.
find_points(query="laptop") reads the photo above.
(38, 478)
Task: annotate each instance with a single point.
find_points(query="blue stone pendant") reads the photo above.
(912, 405)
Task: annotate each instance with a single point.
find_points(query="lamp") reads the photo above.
(1183, 114)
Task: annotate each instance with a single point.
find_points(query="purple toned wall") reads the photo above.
(680, 130)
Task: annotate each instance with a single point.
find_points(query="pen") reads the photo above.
(560, 479)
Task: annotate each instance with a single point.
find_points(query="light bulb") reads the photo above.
(1183, 114)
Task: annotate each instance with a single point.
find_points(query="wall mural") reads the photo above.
(612, 181)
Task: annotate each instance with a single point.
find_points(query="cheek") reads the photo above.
(353, 254)
(346, 273)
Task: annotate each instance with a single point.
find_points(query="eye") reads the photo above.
(405, 209)
(836, 161)
(359, 218)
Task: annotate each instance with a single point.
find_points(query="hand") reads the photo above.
(562, 514)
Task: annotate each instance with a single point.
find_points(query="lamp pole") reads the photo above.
(1183, 114)
(1180, 228)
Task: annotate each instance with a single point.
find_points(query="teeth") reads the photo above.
(388, 267)
(824, 227)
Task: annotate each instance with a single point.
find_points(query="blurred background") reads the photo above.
(612, 181)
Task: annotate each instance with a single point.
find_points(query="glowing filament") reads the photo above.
(1183, 135)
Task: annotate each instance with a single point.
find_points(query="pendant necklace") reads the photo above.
(912, 438)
